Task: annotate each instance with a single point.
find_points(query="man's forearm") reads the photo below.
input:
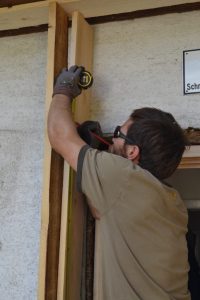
(61, 127)
(62, 131)
(60, 121)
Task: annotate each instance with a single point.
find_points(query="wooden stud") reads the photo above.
(73, 216)
(61, 290)
(82, 54)
(53, 164)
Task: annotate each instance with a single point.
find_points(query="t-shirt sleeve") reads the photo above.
(98, 177)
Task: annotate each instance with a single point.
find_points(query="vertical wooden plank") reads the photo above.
(61, 291)
(73, 222)
(82, 54)
(75, 251)
(53, 164)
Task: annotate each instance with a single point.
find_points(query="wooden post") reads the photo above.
(53, 164)
(73, 210)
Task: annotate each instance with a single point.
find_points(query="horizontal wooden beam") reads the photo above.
(24, 30)
(10, 3)
(191, 158)
(181, 8)
(25, 15)
(95, 11)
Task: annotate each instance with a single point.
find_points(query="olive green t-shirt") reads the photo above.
(140, 247)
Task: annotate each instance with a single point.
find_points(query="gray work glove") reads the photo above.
(67, 82)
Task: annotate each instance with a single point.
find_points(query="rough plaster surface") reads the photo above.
(22, 90)
(139, 63)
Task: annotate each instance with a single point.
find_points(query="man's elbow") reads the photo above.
(55, 138)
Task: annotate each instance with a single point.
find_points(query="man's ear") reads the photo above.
(133, 153)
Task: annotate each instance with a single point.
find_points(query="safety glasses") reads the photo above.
(118, 134)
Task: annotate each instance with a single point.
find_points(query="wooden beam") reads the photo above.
(96, 8)
(62, 280)
(24, 30)
(25, 15)
(191, 158)
(10, 3)
(53, 164)
(73, 217)
(36, 13)
(145, 13)
(82, 54)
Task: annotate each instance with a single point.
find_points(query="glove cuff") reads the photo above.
(62, 92)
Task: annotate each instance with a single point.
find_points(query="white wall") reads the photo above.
(139, 63)
(22, 88)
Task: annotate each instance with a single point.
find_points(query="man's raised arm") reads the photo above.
(62, 132)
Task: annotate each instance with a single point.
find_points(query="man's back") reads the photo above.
(141, 250)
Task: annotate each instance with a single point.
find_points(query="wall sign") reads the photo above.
(191, 71)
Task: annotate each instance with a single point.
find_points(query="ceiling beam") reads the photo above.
(36, 13)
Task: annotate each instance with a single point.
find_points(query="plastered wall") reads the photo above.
(139, 63)
(136, 63)
(22, 88)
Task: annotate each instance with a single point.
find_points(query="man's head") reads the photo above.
(152, 139)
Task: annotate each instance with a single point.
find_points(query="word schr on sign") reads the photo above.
(193, 87)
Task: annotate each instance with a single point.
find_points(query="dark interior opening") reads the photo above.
(186, 181)
(193, 239)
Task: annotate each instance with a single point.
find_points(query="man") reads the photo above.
(141, 223)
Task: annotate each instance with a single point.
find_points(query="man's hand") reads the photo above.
(67, 82)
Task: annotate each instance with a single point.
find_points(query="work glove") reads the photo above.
(91, 133)
(67, 82)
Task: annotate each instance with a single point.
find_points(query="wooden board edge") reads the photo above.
(63, 235)
(46, 174)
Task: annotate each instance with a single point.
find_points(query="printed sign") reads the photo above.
(191, 71)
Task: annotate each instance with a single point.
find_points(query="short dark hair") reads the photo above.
(160, 139)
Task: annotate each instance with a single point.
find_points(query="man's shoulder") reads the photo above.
(106, 158)
(108, 164)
